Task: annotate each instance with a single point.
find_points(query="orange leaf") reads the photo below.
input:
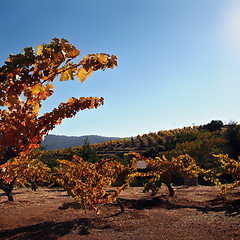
(103, 58)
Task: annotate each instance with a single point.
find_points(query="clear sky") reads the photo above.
(179, 61)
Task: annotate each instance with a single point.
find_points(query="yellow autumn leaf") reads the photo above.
(36, 88)
(66, 75)
(81, 75)
(36, 108)
(39, 50)
(90, 71)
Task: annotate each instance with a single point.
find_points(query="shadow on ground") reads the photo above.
(53, 230)
(219, 204)
(48, 230)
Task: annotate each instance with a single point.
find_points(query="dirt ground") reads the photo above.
(193, 213)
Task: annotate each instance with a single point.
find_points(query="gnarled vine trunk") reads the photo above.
(8, 187)
(170, 189)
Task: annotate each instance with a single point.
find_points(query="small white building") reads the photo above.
(141, 165)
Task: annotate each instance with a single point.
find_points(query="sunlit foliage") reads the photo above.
(26, 79)
(88, 183)
(163, 170)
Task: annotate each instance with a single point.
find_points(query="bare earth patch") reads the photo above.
(193, 213)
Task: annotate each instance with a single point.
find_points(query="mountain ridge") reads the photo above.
(53, 141)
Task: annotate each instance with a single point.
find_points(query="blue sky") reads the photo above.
(178, 60)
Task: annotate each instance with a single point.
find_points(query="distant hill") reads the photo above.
(59, 142)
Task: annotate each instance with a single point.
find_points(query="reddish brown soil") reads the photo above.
(194, 213)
